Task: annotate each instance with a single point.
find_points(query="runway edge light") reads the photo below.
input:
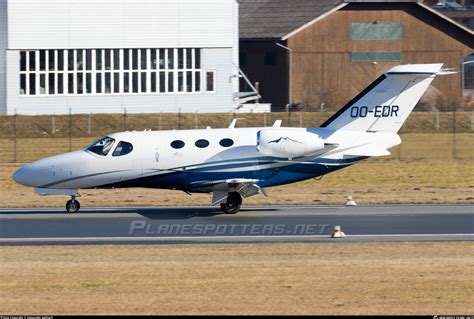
(350, 201)
(338, 233)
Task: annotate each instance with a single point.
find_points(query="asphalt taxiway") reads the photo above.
(170, 225)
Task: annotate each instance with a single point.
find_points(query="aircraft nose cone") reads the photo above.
(33, 174)
(24, 175)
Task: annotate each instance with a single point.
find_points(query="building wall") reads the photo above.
(208, 25)
(3, 48)
(272, 78)
(62, 24)
(218, 60)
(323, 71)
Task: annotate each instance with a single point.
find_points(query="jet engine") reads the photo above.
(288, 143)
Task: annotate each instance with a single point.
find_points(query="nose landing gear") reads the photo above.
(73, 205)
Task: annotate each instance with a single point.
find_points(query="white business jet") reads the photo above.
(232, 163)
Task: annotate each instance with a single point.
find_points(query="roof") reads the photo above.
(273, 19)
(280, 19)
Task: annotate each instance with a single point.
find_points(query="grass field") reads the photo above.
(389, 278)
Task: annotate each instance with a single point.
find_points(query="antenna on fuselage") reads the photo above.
(232, 124)
(234, 121)
(277, 123)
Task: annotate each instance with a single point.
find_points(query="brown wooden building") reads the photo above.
(321, 53)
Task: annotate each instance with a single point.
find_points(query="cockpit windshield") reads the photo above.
(102, 146)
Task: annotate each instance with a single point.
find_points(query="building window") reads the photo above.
(210, 81)
(111, 71)
(270, 58)
(375, 56)
(376, 30)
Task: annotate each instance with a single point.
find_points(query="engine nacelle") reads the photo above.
(288, 143)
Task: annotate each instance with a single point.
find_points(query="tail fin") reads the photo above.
(386, 103)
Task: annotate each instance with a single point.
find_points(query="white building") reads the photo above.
(100, 56)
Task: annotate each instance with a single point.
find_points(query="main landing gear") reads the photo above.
(232, 205)
(73, 205)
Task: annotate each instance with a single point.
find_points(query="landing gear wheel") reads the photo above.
(73, 206)
(232, 205)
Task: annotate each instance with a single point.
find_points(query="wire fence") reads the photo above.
(433, 135)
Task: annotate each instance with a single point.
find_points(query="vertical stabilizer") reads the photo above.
(386, 103)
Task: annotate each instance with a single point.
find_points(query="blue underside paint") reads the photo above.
(267, 177)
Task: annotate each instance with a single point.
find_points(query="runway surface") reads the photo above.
(170, 225)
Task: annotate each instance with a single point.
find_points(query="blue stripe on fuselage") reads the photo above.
(267, 177)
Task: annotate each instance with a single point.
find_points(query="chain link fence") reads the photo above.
(432, 135)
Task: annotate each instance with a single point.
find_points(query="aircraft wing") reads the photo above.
(221, 188)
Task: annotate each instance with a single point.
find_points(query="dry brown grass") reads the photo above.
(390, 278)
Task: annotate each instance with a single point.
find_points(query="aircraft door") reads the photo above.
(126, 161)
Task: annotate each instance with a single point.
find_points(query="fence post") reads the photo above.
(159, 120)
(454, 131)
(53, 124)
(288, 117)
(265, 119)
(89, 124)
(400, 152)
(124, 119)
(70, 130)
(196, 120)
(437, 120)
(301, 119)
(472, 121)
(14, 138)
(179, 118)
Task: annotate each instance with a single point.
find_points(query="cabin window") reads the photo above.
(226, 142)
(102, 147)
(202, 143)
(177, 144)
(123, 148)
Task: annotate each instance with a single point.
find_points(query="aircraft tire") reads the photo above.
(232, 205)
(73, 206)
